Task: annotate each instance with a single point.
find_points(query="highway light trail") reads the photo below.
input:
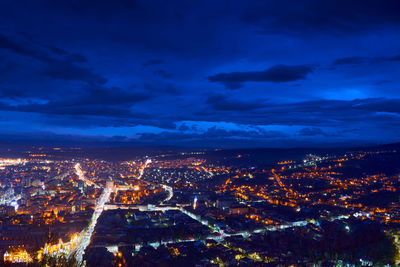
(87, 233)
(148, 161)
(82, 177)
(170, 193)
(165, 187)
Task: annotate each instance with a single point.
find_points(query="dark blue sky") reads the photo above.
(200, 73)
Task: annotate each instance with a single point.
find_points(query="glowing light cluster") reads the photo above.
(19, 255)
(9, 162)
(60, 248)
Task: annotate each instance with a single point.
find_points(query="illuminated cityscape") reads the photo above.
(197, 207)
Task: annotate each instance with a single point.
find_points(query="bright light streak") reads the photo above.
(87, 233)
(81, 175)
(195, 202)
(14, 204)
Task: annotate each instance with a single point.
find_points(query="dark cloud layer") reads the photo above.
(152, 62)
(214, 136)
(23, 49)
(147, 71)
(276, 74)
(63, 67)
(364, 60)
(314, 131)
(219, 102)
(313, 15)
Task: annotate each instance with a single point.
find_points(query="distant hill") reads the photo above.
(242, 156)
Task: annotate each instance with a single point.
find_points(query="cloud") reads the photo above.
(349, 61)
(379, 105)
(96, 101)
(76, 58)
(275, 74)
(163, 73)
(152, 62)
(111, 96)
(313, 131)
(71, 72)
(45, 53)
(82, 78)
(59, 63)
(233, 85)
(168, 88)
(24, 49)
(219, 102)
(364, 60)
(213, 136)
(312, 16)
(317, 113)
(56, 50)
(63, 109)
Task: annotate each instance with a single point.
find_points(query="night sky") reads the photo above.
(200, 73)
